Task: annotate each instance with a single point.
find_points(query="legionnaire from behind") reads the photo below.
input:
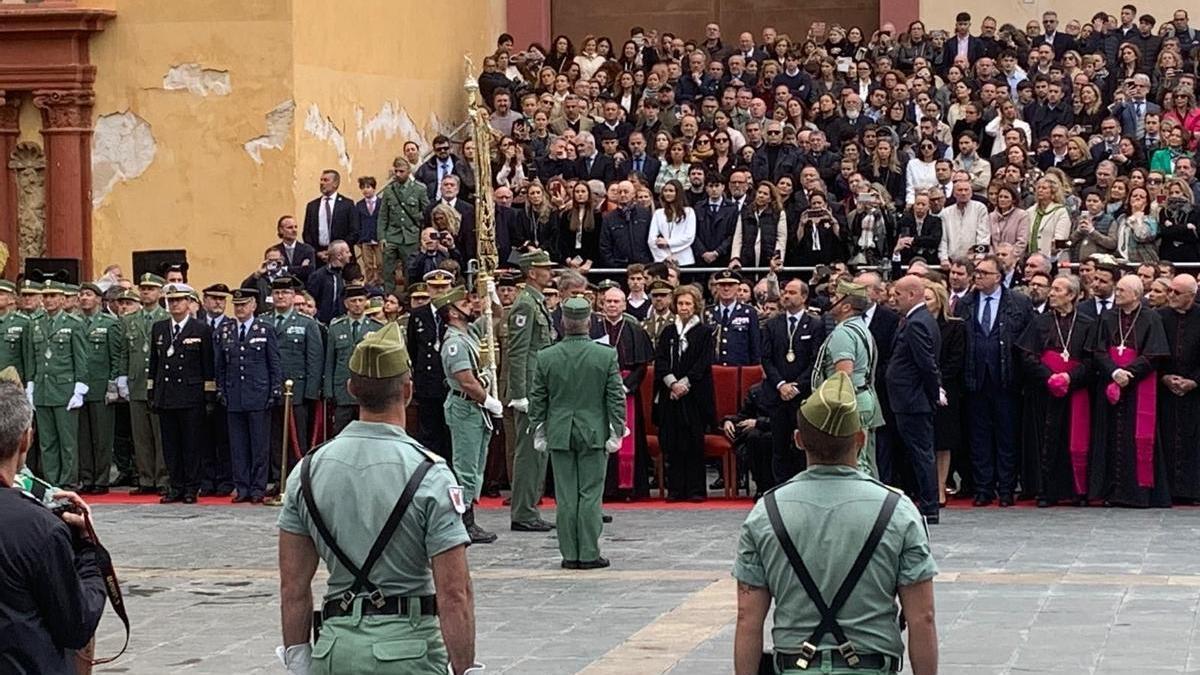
(345, 333)
(834, 616)
(399, 540)
(471, 411)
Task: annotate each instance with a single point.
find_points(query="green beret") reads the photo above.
(833, 408)
(149, 279)
(7, 286)
(456, 294)
(576, 309)
(381, 354)
(849, 289)
(535, 259)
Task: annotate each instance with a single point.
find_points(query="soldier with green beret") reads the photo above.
(105, 342)
(577, 409)
(470, 409)
(850, 348)
(132, 381)
(374, 483)
(16, 349)
(345, 333)
(301, 360)
(58, 386)
(402, 204)
(833, 616)
(529, 331)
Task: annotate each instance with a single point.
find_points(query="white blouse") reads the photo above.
(679, 236)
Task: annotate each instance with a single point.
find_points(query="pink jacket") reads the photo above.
(1012, 228)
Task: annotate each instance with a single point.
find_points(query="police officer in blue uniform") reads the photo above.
(249, 378)
(736, 324)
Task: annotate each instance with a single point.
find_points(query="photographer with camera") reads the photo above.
(437, 246)
(51, 589)
(274, 266)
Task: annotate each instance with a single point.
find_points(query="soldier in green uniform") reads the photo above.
(301, 359)
(798, 543)
(661, 315)
(16, 350)
(58, 386)
(851, 349)
(529, 331)
(105, 343)
(71, 299)
(402, 204)
(470, 409)
(131, 385)
(345, 333)
(577, 409)
(374, 483)
(31, 300)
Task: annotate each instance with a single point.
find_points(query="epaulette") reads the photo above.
(376, 321)
(433, 456)
(338, 320)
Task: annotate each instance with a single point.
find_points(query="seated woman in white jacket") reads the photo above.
(673, 227)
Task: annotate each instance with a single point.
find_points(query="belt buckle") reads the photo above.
(376, 598)
(346, 600)
(807, 652)
(847, 651)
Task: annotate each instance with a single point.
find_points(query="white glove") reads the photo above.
(29, 392)
(493, 406)
(493, 296)
(942, 400)
(123, 387)
(477, 668)
(76, 401)
(521, 405)
(110, 393)
(296, 659)
(539, 438)
(612, 445)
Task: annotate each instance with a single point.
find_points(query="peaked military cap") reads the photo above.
(7, 286)
(535, 259)
(174, 291)
(506, 281)
(576, 309)
(286, 283)
(833, 408)
(438, 278)
(550, 290)
(218, 291)
(728, 277)
(418, 290)
(93, 287)
(54, 288)
(456, 294)
(149, 279)
(661, 287)
(355, 291)
(241, 295)
(381, 354)
(607, 284)
(129, 295)
(31, 287)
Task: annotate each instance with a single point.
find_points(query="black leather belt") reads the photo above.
(463, 396)
(786, 661)
(388, 607)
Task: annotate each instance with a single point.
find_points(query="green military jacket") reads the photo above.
(577, 395)
(16, 345)
(105, 336)
(654, 325)
(828, 512)
(59, 358)
(460, 351)
(341, 344)
(301, 353)
(134, 359)
(356, 479)
(401, 212)
(36, 314)
(529, 331)
(851, 340)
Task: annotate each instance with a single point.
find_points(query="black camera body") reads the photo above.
(62, 506)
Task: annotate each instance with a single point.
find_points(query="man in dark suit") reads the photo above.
(216, 468)
(327, 285)
(181, 380)
(639, 161)
(465, 240)
(995, 317)
(299, 257)
(914, 389)
(593, 164)
(330, 216)
(789, 346)
(442, 164)
(961, 42)
(424, 342)
(1058, 41)
(1131, 112)
(625, 231)
(716, 218)
(882, 321)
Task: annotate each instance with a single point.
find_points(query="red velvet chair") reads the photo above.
(727, 397)
(652, 446)
(751, 375)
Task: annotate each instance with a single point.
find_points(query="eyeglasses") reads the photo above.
(1155, 181)
(721, 140)
(703, 141)
(774, 132)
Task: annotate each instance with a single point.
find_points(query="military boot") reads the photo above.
(478, 534)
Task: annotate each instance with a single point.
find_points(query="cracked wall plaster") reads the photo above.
(123, 147)
(197, 79)
(323, 128)
(391, 121)
(279, 126)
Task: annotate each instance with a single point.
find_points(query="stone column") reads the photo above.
(10, 229)
(67, 130)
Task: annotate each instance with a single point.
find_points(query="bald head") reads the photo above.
(1183, 292)
(910, 291)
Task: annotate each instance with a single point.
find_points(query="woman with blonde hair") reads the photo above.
(947, 422)
(446, 219)
(1049, 222)
(588, 60)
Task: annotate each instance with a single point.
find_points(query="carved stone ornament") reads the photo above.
(28, 164)
(65, 109)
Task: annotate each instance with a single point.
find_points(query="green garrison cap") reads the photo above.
(456, 294)
(849, 289)
(576, 309)
(149, 279)
(535, 259)
(381, 354)
(374, 306)
(7, 286)
(661, 287)
(832, 408)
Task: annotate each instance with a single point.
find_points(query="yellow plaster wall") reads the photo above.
(940, 13)
(202, 191)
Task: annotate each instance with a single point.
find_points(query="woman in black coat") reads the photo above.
(947, 422)
(684, 404)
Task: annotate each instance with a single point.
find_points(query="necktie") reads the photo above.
(725, 318)
(1104, 305)
(242, 336)
(354, 331)
(985, 321)
(953, 302)
(443, 169)
(174, 331)
(637, 164)
(590, 161)
(278, 320)
(712, 208)
(324, 234)
(792, 327)
(328, 211)
(212, 323)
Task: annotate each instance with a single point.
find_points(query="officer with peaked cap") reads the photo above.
(301, 360)
(30, 300)
(249, 383)
(58, 385)
(374, 483)
(345, 333)
(15, 347)
(736, 323)
(423, 339)
(105, 339)
(832, 615)
(133, 386)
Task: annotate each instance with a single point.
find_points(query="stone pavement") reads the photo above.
(1021, 591)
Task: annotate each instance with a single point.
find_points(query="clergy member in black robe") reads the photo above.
(1055, 353)
(1178, 395)
(634, 352)
(1126, 467)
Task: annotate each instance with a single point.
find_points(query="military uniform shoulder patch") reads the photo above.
(519, 320)
(452, 349)
(456, 499)
(338, 320)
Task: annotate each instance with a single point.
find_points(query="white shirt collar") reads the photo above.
(914, 308)
(869, 314)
